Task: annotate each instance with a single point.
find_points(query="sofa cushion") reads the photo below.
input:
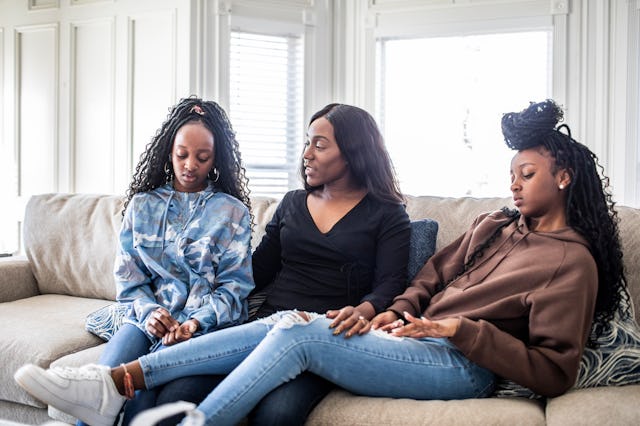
(23, 414)
(343, 408)
(71, 242)
(630, 239)
(262, 209)
(454, 215)
(39, 330)
(595, 406)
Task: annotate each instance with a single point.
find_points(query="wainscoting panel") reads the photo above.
(92, 106)
(43, 4)
(152, 73)
(36, 50)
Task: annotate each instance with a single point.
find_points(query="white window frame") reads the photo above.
(413, 19)
(309, 18)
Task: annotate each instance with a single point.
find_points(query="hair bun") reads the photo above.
(525, 129)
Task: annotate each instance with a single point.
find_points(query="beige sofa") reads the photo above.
(70, 243)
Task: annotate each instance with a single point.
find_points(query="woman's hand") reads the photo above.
(160, 322)
(423, 327)
(185, 331)
(349, 319)
(386, 321)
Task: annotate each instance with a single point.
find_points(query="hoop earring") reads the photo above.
(215, 172)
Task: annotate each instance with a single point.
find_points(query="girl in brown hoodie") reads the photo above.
(517, 296)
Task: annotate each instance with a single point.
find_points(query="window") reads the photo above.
(265, 108)
(440, 101)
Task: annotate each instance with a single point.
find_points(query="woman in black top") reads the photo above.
(342, 241)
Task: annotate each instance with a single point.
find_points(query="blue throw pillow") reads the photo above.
(422, 244)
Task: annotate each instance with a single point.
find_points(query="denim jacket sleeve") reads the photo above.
(232, 282)
(133, 277)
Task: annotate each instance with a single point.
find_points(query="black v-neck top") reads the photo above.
(362, 258)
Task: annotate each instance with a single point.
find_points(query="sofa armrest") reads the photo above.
(16, 279)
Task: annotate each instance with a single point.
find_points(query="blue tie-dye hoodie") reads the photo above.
(187, 252)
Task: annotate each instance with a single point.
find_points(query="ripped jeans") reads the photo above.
(261, 355)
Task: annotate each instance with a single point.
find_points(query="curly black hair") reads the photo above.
(362, 146)
(590, 209)
(155, 169)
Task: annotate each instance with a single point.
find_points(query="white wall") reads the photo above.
(84, 84)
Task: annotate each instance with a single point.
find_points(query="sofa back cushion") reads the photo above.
(629, 227)
(454, 215)
(71, 242)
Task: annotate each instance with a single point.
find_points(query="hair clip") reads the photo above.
(197, 109)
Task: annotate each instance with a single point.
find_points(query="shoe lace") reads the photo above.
(89, 372)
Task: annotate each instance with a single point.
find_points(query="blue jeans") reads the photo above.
(262, 355)
(191, 388)
(289, 404)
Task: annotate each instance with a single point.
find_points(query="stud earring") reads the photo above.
(561, 186)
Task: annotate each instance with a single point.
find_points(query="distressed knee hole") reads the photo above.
(292, 318)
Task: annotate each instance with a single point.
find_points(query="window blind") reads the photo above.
(266, 107)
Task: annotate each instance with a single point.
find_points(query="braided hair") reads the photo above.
(362, 146)
(589, 209)
(155, 169)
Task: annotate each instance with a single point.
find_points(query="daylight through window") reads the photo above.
(440, 101)
(266, 107)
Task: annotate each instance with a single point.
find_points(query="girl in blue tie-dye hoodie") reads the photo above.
(184, 263)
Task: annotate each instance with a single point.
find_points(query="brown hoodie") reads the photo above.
(526, 304)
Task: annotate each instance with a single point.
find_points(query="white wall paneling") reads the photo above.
(349, 54)
(8, 217)
(92, 106)
(560, 52)
(597, 77)
(82, 2)
(42, 4)
(36, 97)
(623, 157)
(152, 75)
(318, 70)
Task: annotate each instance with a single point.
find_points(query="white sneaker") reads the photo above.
(153, 415)
(87, 392)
